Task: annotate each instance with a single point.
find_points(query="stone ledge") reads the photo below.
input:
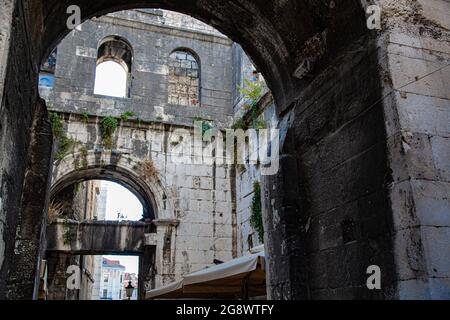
(166, 222)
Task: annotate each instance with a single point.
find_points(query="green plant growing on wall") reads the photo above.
(253, 91)
(240, 124)
(65, 146)
(108, 127)
(57, 125)
(127, 115)
(85, 117)
(68, 234)
(206, 125)
(84, 154)
(256, 219)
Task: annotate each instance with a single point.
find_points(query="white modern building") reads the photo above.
(111, 282)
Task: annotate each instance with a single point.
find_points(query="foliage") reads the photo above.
(259, 124)
(240, 124)
(253, 90)
(68, 232)
(148, 169)
(127, 115)
(241, 168)
(256, 216)
(206, 125)
(85, 116)
(65, 146)
(55, 210)
(84, 154)
(108, 127)
(57, 125)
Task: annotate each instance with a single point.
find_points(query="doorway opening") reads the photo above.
(95, 200)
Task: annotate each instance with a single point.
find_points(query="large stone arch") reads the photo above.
(273, 34)
(150, 191)
(279, 36)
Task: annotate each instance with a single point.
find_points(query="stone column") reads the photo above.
(6, 15)
(23, 280)
(164, 240)
(284, 224)
(415, 42)
(5, 33)
(147, 271)
(18, 110)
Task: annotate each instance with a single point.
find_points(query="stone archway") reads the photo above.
(343, 145)
(279, 47)
(108, 166)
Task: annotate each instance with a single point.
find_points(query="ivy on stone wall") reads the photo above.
(57, 125)
(108, 127)
(256, 219)
(127, 115)
(252, 93)
(68, 234)
(65, 144)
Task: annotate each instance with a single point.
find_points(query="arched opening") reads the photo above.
(114, 67)
(96, 200)
(119, 183)
(319, 102)
(184, 78)
(96, 224)
(111, 79)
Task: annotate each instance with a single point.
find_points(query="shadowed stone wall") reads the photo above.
(363, 175)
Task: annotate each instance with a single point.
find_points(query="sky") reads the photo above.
(110, 80)
(120, 199)
(130, 263)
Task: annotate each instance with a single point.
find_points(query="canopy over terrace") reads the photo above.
(240, 278)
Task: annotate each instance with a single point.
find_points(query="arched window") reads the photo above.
(184, 79)
(113, 73)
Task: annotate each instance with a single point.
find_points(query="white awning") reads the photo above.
(242, 276)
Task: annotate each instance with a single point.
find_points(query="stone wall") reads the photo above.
(418, 59)
(13, 153)
(197, 197)
(334, 203)
(249, 174)
(152, 45)
(192, 203)
(329, 209)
